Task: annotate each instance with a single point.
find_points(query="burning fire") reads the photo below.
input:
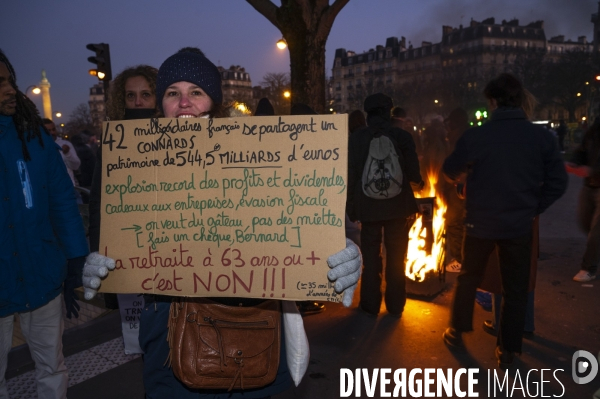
(426, 252)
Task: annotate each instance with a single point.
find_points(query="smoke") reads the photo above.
(570, 18)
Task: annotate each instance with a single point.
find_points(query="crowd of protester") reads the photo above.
(496, 179)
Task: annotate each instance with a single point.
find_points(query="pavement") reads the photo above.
(566, 320)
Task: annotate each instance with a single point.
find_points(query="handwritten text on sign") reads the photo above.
(244, 207)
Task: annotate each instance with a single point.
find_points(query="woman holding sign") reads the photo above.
(189, 86)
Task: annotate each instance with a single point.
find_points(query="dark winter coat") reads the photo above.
(366, 209)
(515, 172)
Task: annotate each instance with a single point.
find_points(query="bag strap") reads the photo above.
(176, 307)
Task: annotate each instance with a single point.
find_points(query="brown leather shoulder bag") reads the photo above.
(215, 346)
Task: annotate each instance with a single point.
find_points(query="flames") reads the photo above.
(426, 252)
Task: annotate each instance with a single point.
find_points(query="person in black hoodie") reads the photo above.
(514, 172)
(391, 216)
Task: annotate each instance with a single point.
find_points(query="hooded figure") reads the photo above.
(264, 108)
(392, 215)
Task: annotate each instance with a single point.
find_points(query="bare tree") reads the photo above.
(80, 120)
(276, 84)
(305, 26)
(566, 81)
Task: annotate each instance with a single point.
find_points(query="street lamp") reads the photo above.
(281, 43)
(58, 114)
(36, 90)
(287, 94)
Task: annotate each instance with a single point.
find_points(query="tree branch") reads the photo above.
(336, 7)
(267, 9)
(329, 16)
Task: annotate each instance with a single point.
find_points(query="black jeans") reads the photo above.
(515, 261)
(395, 234)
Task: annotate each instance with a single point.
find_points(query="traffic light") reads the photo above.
(102, 61)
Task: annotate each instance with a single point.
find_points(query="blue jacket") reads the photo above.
(514, 172)
(40, 225)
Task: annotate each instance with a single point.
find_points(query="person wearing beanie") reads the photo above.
(388, 219)
(189, 86)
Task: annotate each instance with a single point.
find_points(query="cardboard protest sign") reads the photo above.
(231, 207)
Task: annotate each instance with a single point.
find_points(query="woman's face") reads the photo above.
(185, 100)
(138, 93)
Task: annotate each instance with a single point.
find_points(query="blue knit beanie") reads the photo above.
(189, 67)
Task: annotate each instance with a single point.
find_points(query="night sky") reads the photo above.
(52, 35)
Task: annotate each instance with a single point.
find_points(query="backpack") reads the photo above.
(382, 174)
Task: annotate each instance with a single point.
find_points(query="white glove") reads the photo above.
(96, 267)
(345, 271)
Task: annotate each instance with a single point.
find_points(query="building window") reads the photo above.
(358, 69)
(389, 54)
(338, 62)
(370, 57)
(350, 61)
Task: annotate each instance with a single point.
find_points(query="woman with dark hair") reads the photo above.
(189, 86)
(132, 96)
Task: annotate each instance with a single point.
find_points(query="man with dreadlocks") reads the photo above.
(40, 228)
